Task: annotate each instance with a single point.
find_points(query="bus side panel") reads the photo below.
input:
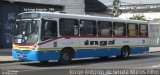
(85, 53)
(107, 52)
(97, 52)
(136, 50)
(49, 55)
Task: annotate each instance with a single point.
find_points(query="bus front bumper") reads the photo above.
(35, 55)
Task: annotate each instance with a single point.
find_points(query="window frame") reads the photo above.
(42, 34)
(140, 30)
(124, 34)
(98, 28)
(75, 20)
(137, 34)
(94, 33)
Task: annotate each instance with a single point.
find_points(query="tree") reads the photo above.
(138, 17)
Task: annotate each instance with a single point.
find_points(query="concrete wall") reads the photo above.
(154, 33)
(99, 14)
(71, 6)
(9, 11)
(74, 6)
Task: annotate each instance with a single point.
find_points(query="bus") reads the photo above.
(45, 36)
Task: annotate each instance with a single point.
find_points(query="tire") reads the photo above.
(124, 53)
(65, 57)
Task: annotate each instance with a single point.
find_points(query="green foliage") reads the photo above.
(138, 17)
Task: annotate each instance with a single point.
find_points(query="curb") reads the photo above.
(7, 59)
(153, 51)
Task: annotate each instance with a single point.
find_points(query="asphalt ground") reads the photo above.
(139, 62)
(147, 63)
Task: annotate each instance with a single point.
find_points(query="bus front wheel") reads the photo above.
(65, 57)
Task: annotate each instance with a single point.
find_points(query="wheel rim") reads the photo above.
(66, 57)
(125, 53)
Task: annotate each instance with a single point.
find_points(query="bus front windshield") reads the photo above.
(26, 31)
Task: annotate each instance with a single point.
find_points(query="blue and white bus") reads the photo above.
(44, 36)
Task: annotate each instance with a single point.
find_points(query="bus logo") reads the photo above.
(101, 43)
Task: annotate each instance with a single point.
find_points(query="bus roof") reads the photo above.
(87, 17)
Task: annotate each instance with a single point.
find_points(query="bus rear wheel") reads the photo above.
(65, 57)
(124, 53)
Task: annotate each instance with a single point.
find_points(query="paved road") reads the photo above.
(139, 61)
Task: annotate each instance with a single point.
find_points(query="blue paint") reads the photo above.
(97, 52)
(34, 55)
(137, 50)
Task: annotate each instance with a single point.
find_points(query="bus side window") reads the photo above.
(104, 28)
(88, 28)
(132, 29)
(69, 27)
(119, 29)
(49, 29)
(143, 30)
